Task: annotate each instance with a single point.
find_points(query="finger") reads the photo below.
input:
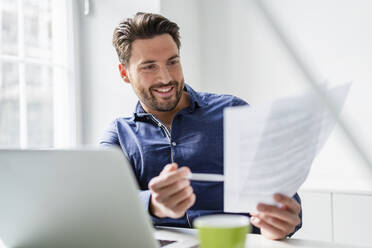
(254, 214)
(168, 178)
(185, 204)
(169, 167)
(290, 203)
(167, 192)
(279, 213)
(178, 197)
(277, 223)
(270, 231)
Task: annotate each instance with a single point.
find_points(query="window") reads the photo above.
(37, 92)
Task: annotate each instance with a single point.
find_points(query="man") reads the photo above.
(176, 130)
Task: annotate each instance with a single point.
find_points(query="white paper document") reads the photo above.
(269, 149)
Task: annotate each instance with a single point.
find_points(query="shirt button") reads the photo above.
(159, 124)
(174, 143)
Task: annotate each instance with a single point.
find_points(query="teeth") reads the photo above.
(164, 89)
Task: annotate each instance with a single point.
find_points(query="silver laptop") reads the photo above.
(72, 198)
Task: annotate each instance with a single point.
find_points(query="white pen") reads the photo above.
(206, 177)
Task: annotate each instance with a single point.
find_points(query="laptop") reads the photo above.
(74, 198)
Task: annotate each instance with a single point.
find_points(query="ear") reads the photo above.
(124, 73)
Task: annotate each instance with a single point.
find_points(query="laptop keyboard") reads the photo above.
(164, 242)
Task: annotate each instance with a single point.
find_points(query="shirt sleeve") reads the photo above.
(145, 198)
(109, 139)
(238, 102)
(110, 136)
(298, 199)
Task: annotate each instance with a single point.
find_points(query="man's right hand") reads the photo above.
(171, 193)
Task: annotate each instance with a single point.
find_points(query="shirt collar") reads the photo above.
(196, 101)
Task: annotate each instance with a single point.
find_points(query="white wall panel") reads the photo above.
(316, 216)
(353, 219)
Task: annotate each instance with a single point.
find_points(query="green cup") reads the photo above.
(222, 231)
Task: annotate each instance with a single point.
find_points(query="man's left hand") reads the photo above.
(277, 222)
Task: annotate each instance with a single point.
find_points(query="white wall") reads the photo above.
(340, 217)
(352, 218)
(104, 95)
(317, 216)
(335, 36)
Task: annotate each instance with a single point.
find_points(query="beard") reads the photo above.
(147, 97)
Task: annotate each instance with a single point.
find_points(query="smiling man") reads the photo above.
(175, 130)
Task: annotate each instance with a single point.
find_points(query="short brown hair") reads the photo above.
(141, 26)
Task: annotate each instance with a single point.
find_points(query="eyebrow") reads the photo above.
(147, 62)
(173, 57)
(153, 61)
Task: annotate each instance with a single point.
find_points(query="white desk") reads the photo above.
(190, 240)
(189, 236)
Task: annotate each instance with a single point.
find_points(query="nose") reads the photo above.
(164, 75)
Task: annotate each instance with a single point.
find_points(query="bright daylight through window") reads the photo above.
(33, 73)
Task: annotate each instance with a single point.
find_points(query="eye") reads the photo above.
(149, 67)
(174, 62)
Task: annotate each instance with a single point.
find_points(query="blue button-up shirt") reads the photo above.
(195, 140)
